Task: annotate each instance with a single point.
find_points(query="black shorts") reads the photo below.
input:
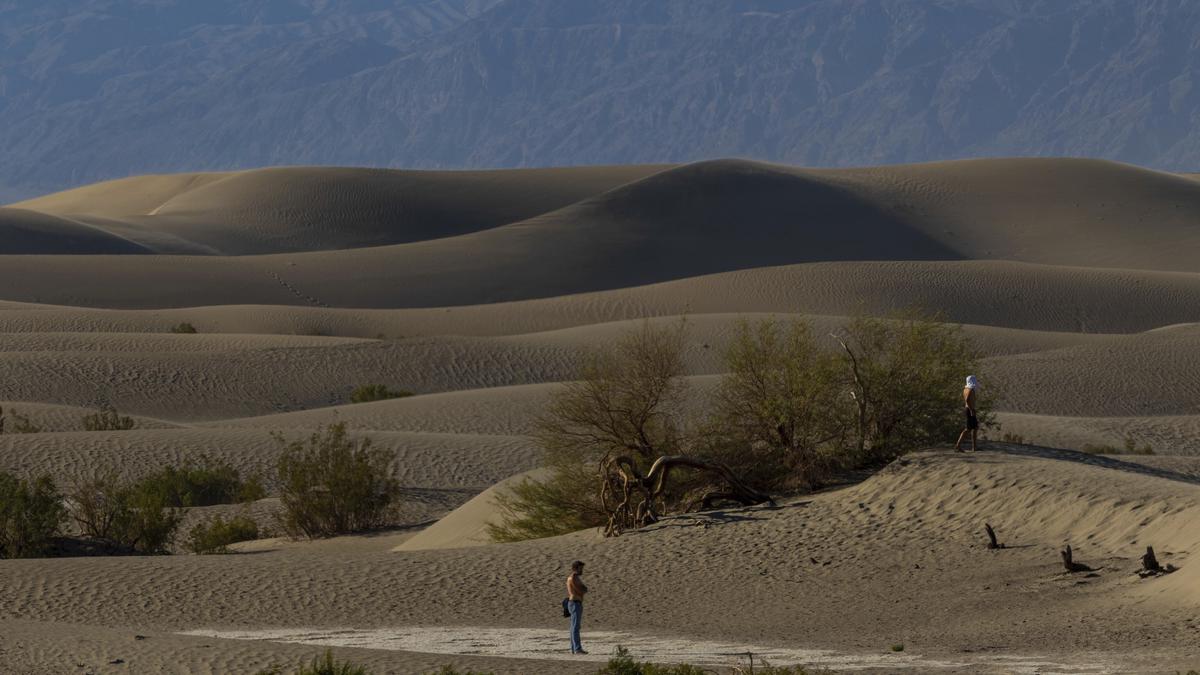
(972, 421)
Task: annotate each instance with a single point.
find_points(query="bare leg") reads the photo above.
(958, 445)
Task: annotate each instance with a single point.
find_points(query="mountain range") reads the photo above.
(100, 89)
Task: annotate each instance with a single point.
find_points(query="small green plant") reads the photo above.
(376, 392)
(1010, 437)
(31, 514)
(332, 484)
(215, 535)
(107, 419)
(898, 647)
(184, 328)
(132, 515)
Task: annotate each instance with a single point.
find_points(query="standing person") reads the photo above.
(972, 420)
(575, 592)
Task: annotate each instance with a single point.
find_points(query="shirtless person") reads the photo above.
(972, 420)
(575, 592)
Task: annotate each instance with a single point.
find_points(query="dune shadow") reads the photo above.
(1102, 461)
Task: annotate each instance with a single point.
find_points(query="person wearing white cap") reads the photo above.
(972, 420)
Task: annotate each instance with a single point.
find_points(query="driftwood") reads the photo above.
(623, 482)
(1070, 564)
(992, 543)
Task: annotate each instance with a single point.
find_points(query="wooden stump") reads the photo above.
(1070, 564)
(1150, 562)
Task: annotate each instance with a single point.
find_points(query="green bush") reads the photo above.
(331, 484)
(133, 515)
(184, 328)
(376, 392)
(779, 408)
(107, 419)
(215, 535)
(205, 482)
(31, 514)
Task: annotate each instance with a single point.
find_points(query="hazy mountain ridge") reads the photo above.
(98, 89)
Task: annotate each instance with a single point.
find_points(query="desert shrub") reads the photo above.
(779, 407)
(905, 379)
(451, 670)
(16, 423)
(564, 502)
(1130, 447)
(624, 664)
(107, 419)
(627, 400)
(183, 328)
(790, 410)
(376, 392)
(320, 665)
(31, 514)
(215, 535)
(205, 482)
(332, 484)
(133, 515)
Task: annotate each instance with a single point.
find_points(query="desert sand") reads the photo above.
(480, 291)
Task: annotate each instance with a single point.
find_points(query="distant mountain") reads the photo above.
(96, 89)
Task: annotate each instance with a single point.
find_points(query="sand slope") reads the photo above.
(482, 292)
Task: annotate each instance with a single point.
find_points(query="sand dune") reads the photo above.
(220, 375)
(911, 534)
(482, 291)
(467, 525)
(303, 209)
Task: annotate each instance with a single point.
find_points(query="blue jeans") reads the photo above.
(575, 607)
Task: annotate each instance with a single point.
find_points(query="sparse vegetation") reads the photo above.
(107, 419)
(792, 410)
(451, 670)
(31, 514)
(320, 665)
(898, 647)
(131, 515)
(376, 392)
(204, 482)
(215, 535)
(184, 328)
(16, 423)
(1130, 447)
(624, 664)
(331, 484)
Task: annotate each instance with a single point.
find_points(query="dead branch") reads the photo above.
(625, 514)
(1070, 564)
(992, 543)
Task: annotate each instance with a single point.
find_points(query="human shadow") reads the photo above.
(1062, 454)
